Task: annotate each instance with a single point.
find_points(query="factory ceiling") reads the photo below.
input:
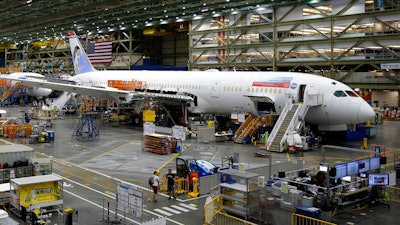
(33, 20)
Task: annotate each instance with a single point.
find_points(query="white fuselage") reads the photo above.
(227, 92)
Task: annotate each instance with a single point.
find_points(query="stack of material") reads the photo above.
(158, 143)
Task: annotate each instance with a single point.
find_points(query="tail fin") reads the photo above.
(79, 58)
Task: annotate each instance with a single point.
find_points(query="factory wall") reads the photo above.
(385, 98)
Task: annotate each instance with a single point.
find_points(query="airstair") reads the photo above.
(14, 93)
(59, 103)
(250, 127)
(247, 129)
(291, 120)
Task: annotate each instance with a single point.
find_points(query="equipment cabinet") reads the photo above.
(240, 193)
(35, 192)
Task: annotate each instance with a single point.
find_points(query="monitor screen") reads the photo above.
(378, 179)
(363, 165)
(341, 170)
(375, 163)
(323, 168)
(352, 168)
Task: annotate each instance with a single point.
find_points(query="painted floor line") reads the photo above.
(163, 212)
(171, 210)
(179, 208)
(188, 206)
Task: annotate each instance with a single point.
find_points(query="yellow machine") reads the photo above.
(35, 192)
(43, 137)
(195, 193)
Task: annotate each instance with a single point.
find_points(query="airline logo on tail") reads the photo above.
(79, 58)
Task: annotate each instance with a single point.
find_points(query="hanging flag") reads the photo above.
(100, 52)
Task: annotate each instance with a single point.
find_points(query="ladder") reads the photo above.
(281, 127)
(247, 129)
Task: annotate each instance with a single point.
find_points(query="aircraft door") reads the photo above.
(302, 90)
(215, 89)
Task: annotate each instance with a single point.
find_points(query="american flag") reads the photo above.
(100, 52)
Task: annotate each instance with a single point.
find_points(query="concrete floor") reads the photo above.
(117, 153)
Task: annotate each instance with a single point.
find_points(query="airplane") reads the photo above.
(216, 92)
(32, 91)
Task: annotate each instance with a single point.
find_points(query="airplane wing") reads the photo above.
(122, 96)
(98, 92)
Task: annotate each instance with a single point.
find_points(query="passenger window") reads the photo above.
(340, 94)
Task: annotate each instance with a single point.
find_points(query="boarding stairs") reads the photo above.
(59, 103)
(247, 129)
(291, 120)
(11, 95)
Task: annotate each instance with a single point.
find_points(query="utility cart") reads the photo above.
(35, 192)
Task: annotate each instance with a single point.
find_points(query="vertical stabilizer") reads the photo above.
(79, 58)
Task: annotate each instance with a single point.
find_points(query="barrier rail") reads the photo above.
(298, 219)
(100, 182)
(86, 176)
(214, 214)
(393, 192)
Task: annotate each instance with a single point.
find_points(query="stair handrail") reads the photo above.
(298, 121)
(295, 123)
(61, 100)
(278, 123)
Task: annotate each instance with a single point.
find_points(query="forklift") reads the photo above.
(188, 168)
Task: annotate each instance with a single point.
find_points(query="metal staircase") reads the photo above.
(14, 94)
(87, 127)
(291, 120)
(239, 134)
(60, 102)
(248, 128)
(281, 127)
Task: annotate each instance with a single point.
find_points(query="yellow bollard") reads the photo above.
(195, 193)
(365, 143)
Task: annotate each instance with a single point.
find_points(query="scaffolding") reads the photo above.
(87, 127)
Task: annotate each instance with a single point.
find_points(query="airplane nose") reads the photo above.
(365, 112)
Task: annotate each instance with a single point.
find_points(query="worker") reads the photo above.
(155, 185)
(171, 184)
(319, 179)
(27, 118)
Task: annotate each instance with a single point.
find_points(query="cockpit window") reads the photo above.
(340, 94)
(351, 94)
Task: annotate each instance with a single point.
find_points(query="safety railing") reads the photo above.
(86, 176)
(298, 219)
(393, 193)
(214, 214)
(222, 218)
(100, 182)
